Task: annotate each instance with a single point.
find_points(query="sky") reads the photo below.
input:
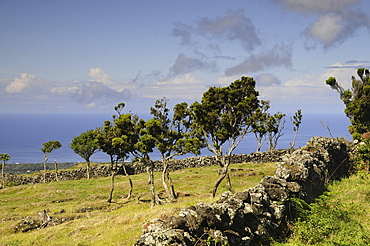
(86, 56)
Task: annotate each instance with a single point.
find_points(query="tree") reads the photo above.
(85, 145)
(224, 115)
(143, 147)
(275, 127)
(296, 120)
(117, 139)
(357, 102)
(259, 123)
(47, 148)
(4, 157)
(171, 138)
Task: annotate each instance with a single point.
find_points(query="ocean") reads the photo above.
(22, 136)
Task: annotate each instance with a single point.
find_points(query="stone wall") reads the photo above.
(256, 214)
(137, 167)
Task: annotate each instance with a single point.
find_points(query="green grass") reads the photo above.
(98, 223)
(341, 216)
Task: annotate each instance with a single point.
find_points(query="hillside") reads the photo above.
(89, 220)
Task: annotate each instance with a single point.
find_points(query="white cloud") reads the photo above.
(267, 79)
(26, 83)
(337, 20)
(327, 28)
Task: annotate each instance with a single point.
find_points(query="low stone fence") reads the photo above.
(253, 216)
(138, 167)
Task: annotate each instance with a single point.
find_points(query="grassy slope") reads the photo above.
(341, 215)
(102, 224)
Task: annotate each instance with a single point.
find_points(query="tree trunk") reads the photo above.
(151, 184)
(129, 179)
(167, 182)
(225, 163)
(228, 183)
(294, 139)
(45, 159)
(56, 170)
(2, 175)
(113, 173)
(88, 169)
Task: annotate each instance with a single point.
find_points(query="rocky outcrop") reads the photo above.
(100, 170)
(256, 214)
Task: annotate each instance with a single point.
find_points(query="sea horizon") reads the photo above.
(22, 135)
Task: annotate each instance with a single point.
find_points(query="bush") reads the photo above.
(361, 154)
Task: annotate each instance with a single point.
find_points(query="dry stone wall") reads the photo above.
(256, 214)
(138, 167)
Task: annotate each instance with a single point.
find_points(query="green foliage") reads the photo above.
(4, 157)
(338, 217)
(361, 154)
(118, 140)
(85, 144)
(275, 125)
(296, 120)
(49, 146)
(357, 101)
(299, 207)
(259, 123)
(225, 114)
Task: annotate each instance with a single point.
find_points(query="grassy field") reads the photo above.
(91, 221)
(341, 216)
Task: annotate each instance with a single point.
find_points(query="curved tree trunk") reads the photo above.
(129, 179)
(154, 200)
(167, 181)
(294, 139)
(225, 163)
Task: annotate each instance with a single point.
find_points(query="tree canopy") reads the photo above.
(357, 101)
(85, 145)
(47, 148)
(224, 115)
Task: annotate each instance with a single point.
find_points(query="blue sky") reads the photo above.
(85, 56)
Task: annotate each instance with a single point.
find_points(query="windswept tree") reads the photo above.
(296, 120)
(118, 139)
(85, 145)
(46, 149)
(259, 123)
(172, 138)
(275, 127)
(224, 117)
(143, 147)
(4, 158)
(357, 102)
